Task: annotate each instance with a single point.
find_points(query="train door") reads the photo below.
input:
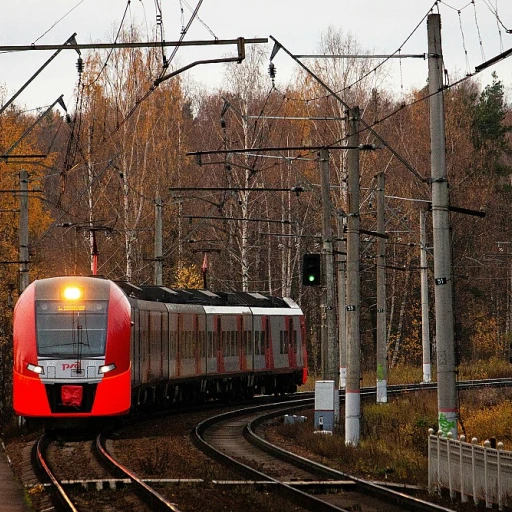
(164, 337)
(268, 343)
(136, 364)
(304, 351)
(249, 341)
(187, 344)
(197, 345)
(173, 344)
(242, 345)
(144, 346)
(211, 353)
(291, 334)
(202, 342)
(258, 343)
(217, 340)
(179, 343)
(155, 345)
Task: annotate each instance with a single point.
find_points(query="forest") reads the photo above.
(250, 216)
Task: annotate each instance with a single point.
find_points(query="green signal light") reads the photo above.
(311, 269)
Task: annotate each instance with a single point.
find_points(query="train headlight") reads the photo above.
(35, 368)
(72, 293)
(106, 368)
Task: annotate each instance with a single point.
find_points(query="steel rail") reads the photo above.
(58, 492)
(150, 494)
(297, 495)
(380, 492)
(411, 503)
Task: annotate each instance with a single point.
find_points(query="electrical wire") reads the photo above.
(380, 64)
(494, 11)
(58, 21)
(478, 31)
(468, 67)
(198, 19)
(104, 66)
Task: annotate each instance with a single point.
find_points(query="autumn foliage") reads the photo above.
(257, 213)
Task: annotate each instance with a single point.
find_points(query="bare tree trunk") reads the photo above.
(398, 340)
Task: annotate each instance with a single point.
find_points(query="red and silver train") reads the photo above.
(90, 347)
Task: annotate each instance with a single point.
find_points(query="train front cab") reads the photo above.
(71, 355)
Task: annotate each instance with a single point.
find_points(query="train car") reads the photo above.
(90, 347)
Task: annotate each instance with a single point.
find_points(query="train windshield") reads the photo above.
(71, 330)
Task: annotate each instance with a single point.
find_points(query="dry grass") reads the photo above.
(393, 441)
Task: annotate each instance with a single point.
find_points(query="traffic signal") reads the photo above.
(311, 268)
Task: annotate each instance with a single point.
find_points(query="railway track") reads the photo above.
(231, 438)
(116, 487)
(64, 494)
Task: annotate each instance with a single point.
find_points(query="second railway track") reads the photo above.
(230, 437)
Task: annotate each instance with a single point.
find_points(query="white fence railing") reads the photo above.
(472, 470)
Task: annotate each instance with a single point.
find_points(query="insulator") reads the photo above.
(272, 70)
(158, 19)
(80, 65)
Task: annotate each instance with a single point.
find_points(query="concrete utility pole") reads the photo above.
(332, 366)
(425, 328)
(158, 241)
(353, 385)
(443, 278)
(23, 227)
(382, 359)
(342, 302)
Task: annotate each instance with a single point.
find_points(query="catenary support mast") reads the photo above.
(382, 363)
(332, 362)
(353, 384)
(425, 327)
(341, 261)
(443, 277)
(23, 225)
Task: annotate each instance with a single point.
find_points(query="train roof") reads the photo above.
(203, 297)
